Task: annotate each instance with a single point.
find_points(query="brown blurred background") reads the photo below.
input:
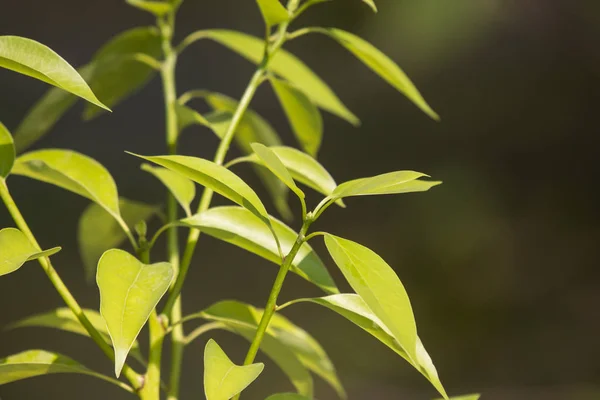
(501, 262)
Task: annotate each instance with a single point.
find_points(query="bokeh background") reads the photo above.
(501, 262)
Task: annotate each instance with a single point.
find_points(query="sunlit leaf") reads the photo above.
(222, 378)
(270, 160)
(63, 319)
(371, 3)
(241, 228)
(117, 73)
(74, 172)
(7, 151)
(44, 114)
(467, 397)
(129, 291)
(273, 12)
(180, 187)
(303, 115)
(158, 8)
(287, 396)
(17, 250)
(31, 58)
(98, 232)
(32, 363)
(381, 64)
(284, 64)
(354, 309)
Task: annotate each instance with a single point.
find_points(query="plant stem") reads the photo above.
(151, 388)
(136, 379)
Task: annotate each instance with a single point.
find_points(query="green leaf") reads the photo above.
(287, 396)
(98, 232)
(284, 64)
(158, 8)
(354, 309)
(379, 286)
(74, 172)
(117, 73)
(467, 397)
(31, 58)
(222, 378)
(63, 319)
(303, 115)
(273, 163)
(187, 117)
(241, 228)
(371, 4)
(273, 12)
(44, 114)
(7, 152)
(180, 187)
(381, 64)
(129, 291)
(32, 363)
(215, 177)
(17, 250)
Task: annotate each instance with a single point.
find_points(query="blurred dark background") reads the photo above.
(501, 262)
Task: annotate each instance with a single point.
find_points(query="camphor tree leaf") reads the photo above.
(371, 3)
(467, 397)
(381, 64)
(273, 12)
(31, 58)
(353, 308)
(187, 117)
(97, 232)
(44, 114)
(270, 160)
(303, 115)
(158, 8)
(287, 396)
(117, 72)
(222, 378)
(242, 228)
(284, 64)
(32, 363)
(17, 250)
(7, 152)
(379, 286)
(129, 291)
(63, 319)
(180, 187)
(74, 172)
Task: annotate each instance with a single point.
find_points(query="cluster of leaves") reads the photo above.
(130, 286)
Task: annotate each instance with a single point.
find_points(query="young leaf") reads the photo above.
(371, 3)
(354, 309)
(180, 187)
(32, 363)
(381, 64)
(129, 291)
(467, 397)
(74, 172)
(44, 114)
(7, 152)
(63, 319)
(379, 286)
(222, 378)
(17, 250)
(284, 64)
(215, 177)
(241, 228)
(273, 163)
(303, 115)
(158, 8)
(31, 58)
(287, 396)
(273, 12)
(98, 232)
(117, 73)
(188, 117)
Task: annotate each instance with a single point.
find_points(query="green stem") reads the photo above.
(136, 379)
(152, 383)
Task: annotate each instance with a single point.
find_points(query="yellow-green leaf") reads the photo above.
(180, 187)
(222, 378)
(32, 363)
(371, 3)
(273, 12)
(270, 160)
(467, 397)
(17, 250)
(129, 291)
(303, 115)
(241, 228)
(31, 58)
(158, 8)
(390, 183)
(7, 151)
(187, 117)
